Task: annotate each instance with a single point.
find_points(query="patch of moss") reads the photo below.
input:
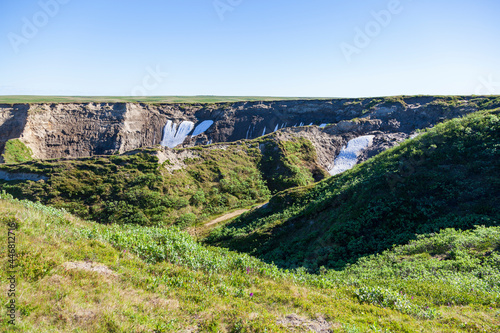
(290, 163)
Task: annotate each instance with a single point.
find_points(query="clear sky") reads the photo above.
(318, 48)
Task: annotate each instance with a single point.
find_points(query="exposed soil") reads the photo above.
(89, 267)
(318, 325)
(231, 215)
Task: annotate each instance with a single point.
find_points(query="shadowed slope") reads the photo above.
(447, 178)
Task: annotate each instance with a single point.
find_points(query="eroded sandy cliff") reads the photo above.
(78, 130)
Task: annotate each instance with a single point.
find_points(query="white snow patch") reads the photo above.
(172, 136)
(201, 128)
(322, 125)
(311, 124)
(348, 156)
(248, 132)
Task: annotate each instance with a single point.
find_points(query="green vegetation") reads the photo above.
(16, 151)
(75, 275)
(135, 189)
(290, 163)
(446, 178)
(483, 103)
(144, 99)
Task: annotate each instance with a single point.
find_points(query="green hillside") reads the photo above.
(135, 189)
(80, 276)
(447, 178)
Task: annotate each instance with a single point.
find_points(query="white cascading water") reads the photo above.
(348, 156)
(201, 128)
(276, 128)
(172, 136)
(264, 131)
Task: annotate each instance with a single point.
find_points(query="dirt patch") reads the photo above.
(83, 316)
(189, 330)
(56, 279)
(318, 325)
(175, 158)
(231, 215)
(157, 302)
(89, 267)
(227, 217)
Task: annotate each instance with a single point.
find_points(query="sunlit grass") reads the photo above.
(206, 289)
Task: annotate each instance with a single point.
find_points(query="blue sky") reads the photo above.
(322, 48)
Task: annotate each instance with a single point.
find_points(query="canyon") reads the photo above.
(73, 130)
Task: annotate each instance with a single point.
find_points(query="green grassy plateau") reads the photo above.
(140, 99)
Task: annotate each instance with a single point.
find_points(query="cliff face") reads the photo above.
(12, 121)
(78, 130)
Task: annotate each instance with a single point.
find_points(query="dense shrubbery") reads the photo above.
(135, 189)
(447, 178)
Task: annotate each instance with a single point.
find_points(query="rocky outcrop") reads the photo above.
(78, 130)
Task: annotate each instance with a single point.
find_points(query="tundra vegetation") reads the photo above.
(16, 151)
(135, 189)
(446, 178)
(407, 241)
(154, 279)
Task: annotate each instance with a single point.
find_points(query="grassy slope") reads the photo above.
(165, 282)
(136, 189)
(447, 178)
(16, 152)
